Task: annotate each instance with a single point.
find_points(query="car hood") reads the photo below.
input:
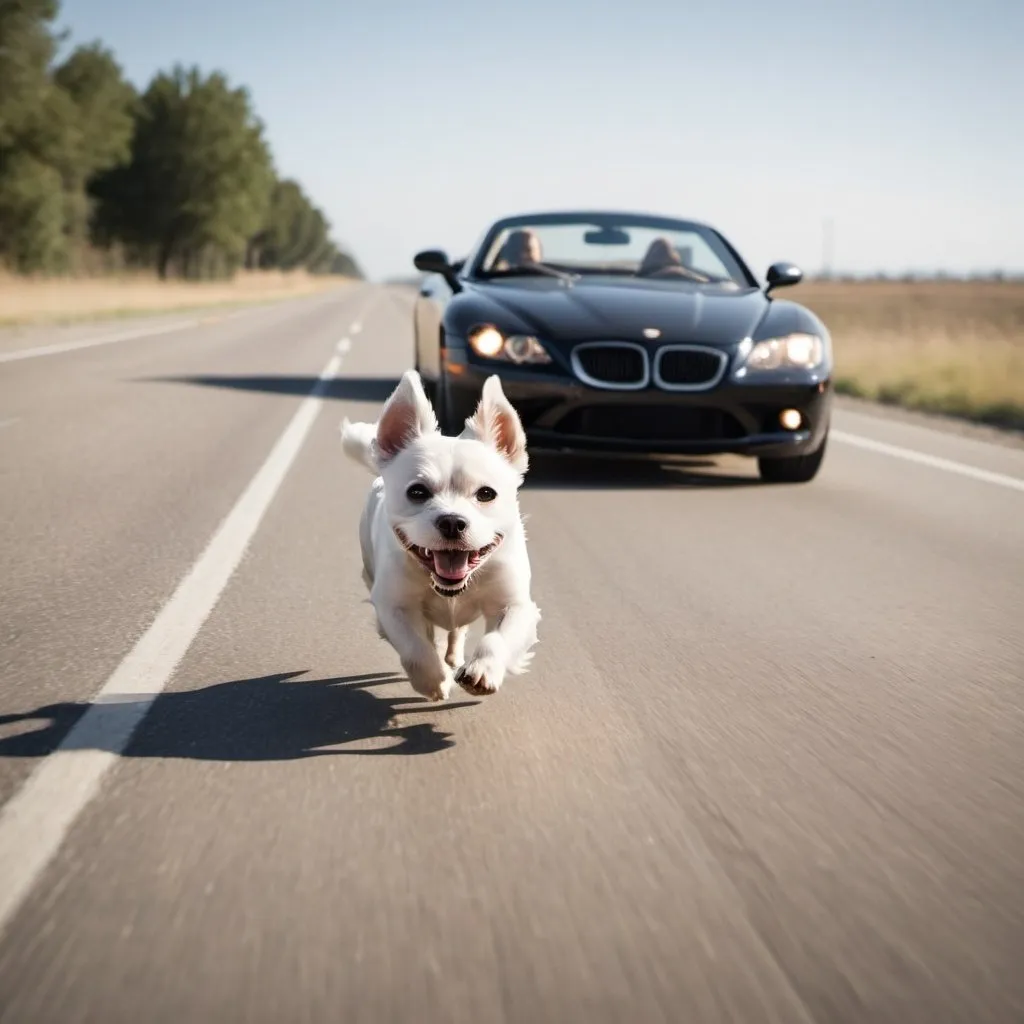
(621, 309)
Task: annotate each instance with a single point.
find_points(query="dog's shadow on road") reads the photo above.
(272, 718)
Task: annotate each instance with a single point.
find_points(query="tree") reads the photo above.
(99, 129)
(103, 111)
(294, 233)
(297, 234)
(32, 207)
(198, 184)
(335, 261)
(27, 45)
(32, 124)
(344, 263)
(180, 178)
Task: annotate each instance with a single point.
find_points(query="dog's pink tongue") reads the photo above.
(452, 565)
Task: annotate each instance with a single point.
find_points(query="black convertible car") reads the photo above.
(621, 333)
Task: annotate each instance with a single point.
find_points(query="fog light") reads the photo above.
(790, 419)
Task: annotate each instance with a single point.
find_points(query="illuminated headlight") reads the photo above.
(793, 351)
(487, 341)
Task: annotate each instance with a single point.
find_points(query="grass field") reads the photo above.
(953, 347)
(58, 300)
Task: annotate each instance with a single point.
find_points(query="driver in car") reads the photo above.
(662, 260)
(521, 249)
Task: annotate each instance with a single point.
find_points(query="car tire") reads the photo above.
(797, 469)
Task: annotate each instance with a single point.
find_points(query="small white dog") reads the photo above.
(443, 541)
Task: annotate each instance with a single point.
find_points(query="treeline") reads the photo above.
(178, 178)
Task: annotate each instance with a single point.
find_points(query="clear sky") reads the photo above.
(413, 125)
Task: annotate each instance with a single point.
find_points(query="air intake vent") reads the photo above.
(689, 367)
(611, 364)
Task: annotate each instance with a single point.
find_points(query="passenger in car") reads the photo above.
(662, 260)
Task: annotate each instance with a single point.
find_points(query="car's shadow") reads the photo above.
(273, 718)
(550, 472)
(355, 389)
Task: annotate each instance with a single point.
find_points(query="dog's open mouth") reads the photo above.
(450, 568)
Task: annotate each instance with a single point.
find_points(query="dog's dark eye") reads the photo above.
(486, 494)
(417, 493)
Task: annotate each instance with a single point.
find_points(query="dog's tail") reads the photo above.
(357, 441)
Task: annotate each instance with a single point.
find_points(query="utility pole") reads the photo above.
(827, 247)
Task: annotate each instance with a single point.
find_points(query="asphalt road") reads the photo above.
(768, 765)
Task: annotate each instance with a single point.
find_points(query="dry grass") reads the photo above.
(953, 347)
(60, 300)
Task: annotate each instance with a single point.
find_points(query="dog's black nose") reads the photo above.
(451, 527)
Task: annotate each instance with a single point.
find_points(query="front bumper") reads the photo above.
(559, 413)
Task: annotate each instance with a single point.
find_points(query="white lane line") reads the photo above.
(106, 339)
(110, 339)
(36, 819)
(345, 343)
(357, 324)
(999, 479)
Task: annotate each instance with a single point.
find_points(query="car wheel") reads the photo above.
(798, 469)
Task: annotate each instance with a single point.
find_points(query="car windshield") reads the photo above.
(685, 253)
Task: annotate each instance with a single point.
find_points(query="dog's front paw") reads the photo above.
(434, 682)
(481, 676)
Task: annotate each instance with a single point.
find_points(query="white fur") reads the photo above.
(425, 626)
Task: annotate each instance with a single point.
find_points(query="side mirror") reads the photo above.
(782, 275)
(435, 261)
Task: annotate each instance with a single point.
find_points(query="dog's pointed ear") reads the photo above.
(406, 415)
(496, 423)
